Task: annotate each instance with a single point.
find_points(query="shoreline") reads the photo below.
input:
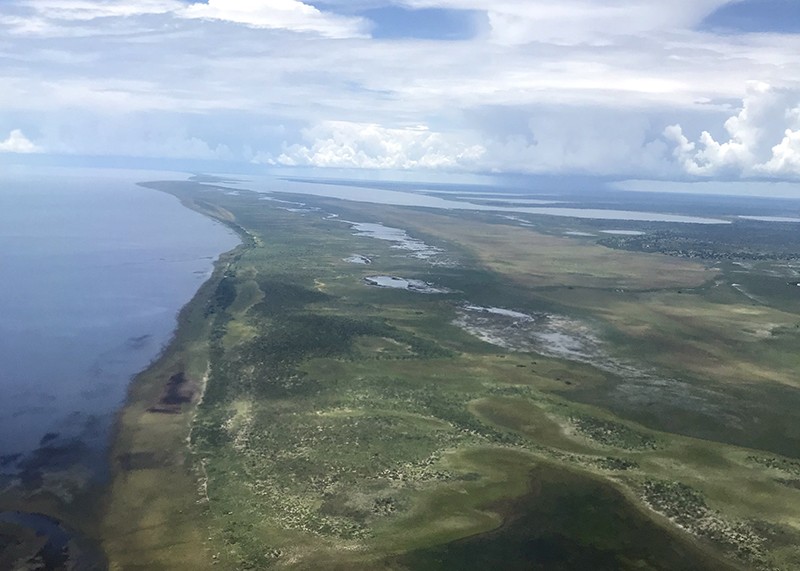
(150, 448)
(84, 514)
(478, 419)
(159, 514)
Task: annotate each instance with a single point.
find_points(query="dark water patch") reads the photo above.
(48, 437)
(567, 522)
(55, 456)
(178, 391)
(139, 341)
(30, 541)
(9, 459)
(133, 461)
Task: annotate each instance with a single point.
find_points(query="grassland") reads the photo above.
(320, 423)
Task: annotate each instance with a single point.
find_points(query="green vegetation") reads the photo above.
(338, 426)
(742, 240)
(612, 434)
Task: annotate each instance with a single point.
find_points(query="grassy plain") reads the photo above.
(336, 425)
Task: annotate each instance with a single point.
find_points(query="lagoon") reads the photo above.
(344, 191)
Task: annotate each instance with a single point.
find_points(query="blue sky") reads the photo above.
(686, 89)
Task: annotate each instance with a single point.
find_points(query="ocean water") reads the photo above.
(93, 272)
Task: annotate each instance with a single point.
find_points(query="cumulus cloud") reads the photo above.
(282, 14)
(785, 156)
(574, 85)
(17, 142)
(343, 144)
(763, 138)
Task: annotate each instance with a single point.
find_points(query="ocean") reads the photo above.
(93, 272)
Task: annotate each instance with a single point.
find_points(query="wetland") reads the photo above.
(567, 399)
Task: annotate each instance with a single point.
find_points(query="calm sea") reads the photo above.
(93, 271)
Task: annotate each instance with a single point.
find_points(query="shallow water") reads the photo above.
(770, 218)
(410, 198)
(394, 282)
(623, 232)
(400, 239)
(93, 271)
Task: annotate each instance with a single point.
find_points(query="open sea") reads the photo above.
(93, 272)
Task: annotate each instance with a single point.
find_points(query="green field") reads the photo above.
(639, 411)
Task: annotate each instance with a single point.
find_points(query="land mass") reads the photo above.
(533, 401)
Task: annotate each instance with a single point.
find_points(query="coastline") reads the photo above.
(151, 505)
(77, 516)
(158, 506)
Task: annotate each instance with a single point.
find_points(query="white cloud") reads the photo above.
(577, 85)
(763, 138)
(17, 142)
(362, 145)
(523, 21)
(91, 9)
(272, 14)
(785, 156)
(278, 14)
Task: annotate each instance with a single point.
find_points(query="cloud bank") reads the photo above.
(360, 145)
(629, 88)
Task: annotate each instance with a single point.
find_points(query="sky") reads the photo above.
(680, 90)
